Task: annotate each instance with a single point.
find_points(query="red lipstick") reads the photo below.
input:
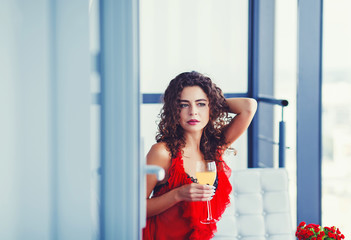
(193, 121)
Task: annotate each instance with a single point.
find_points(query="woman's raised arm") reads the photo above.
(245, 109)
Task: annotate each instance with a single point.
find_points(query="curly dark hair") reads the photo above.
(171, 132)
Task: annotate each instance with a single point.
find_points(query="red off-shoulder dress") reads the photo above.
(182, 221)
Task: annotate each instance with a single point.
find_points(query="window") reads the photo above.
(207, 36)
(336, 116)
(285, 68)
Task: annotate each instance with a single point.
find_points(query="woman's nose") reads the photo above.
(193, 111)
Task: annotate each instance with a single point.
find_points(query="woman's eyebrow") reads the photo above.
(198, 100)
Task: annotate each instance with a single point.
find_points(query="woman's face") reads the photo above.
(194, 109)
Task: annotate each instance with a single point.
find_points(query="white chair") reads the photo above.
(260, 208)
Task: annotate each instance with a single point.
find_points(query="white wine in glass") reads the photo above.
(206, 173)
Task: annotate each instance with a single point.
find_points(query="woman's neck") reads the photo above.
(192, 141)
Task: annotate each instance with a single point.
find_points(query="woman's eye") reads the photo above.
(183, 105)
(202, 104)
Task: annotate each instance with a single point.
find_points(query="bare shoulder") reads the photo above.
(159, 155)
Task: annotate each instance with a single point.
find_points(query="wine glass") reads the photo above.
(206, 174)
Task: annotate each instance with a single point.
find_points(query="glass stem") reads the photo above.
(209, 211)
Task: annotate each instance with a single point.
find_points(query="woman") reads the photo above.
(194, 127)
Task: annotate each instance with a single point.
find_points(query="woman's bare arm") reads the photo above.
(159, 155)
(245, 109)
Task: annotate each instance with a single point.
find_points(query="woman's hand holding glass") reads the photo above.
(195, 192)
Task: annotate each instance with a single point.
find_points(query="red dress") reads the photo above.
(182, 221)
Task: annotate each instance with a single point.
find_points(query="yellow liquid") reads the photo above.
(206, 177)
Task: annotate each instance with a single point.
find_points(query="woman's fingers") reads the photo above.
(211, 188)
(196, 192)
(199, 197)
(214, 191)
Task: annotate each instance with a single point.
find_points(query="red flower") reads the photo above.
(330, 234)
(302, 224)
(315, 232)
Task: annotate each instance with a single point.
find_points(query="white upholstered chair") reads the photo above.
(260, 208)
